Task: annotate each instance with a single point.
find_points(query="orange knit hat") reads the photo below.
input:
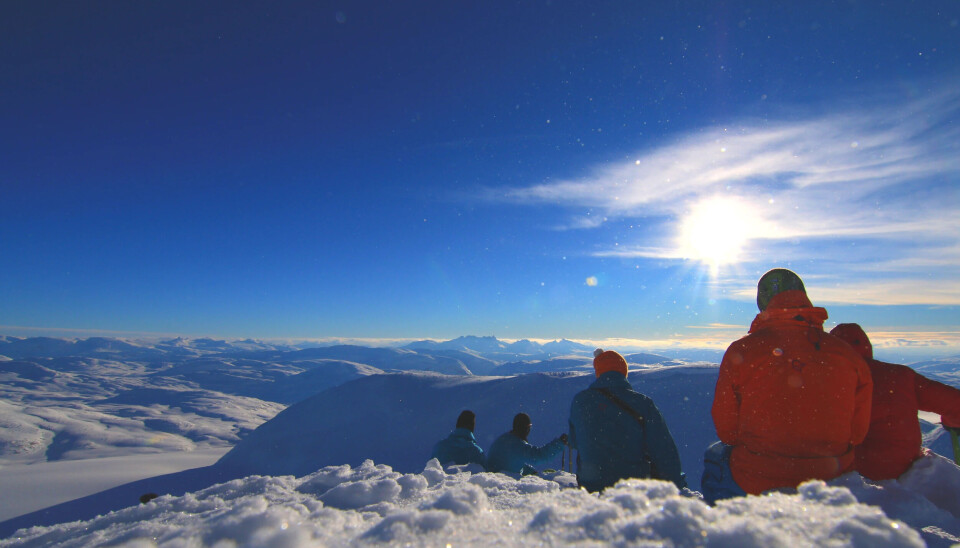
(604, 361)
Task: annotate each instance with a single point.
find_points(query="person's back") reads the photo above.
(460, 447)
(792, 400)
(613, 443)
(894, 439)
(513, 454)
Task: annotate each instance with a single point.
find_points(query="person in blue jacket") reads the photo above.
(512, 453)
(460, 447)
(619, 433)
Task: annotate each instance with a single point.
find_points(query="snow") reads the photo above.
(395, 419)
(31, 487)
(348, 466)
(373, 504)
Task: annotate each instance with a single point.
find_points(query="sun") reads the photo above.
(716, 230)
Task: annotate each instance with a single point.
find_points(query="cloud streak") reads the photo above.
(857, 191)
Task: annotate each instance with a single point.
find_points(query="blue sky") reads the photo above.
(589, 170)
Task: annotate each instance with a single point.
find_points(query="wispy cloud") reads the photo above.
(897, 339)
(912, 290)
(924, 343)
(871, 191)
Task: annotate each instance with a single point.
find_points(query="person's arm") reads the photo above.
(535, 455)
(863, 401)
(938, 398)
(726, 403)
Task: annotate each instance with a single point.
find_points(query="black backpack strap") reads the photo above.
(622, 405)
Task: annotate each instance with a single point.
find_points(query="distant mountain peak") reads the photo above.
(491, 347)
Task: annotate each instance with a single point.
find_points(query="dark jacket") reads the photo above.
(511, 454)
(460, 447)
(612, 445)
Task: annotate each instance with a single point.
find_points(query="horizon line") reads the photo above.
(718, 338)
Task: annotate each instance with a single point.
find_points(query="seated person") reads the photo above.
(460, 447)
(893, 440)
(512, 453)
(618, 432)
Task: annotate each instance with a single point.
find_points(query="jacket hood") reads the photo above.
(611, 379)
(790, 306)
(853, 335)
(463, 433)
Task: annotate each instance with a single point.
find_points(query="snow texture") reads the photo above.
(372, 504)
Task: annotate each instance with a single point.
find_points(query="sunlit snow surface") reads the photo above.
(461, 506)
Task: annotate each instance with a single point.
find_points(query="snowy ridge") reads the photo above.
(396, 419)
(48, 347)
(493, 348)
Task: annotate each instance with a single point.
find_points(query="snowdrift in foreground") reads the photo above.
(372, 504)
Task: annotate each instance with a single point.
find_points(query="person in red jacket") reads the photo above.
(792, 400)
(893, 441)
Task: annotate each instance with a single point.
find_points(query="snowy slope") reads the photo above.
(81, 408)
(396, 419)
(99, 397)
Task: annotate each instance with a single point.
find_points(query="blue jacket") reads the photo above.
(460, 447)
(612, 445)
(511, 454)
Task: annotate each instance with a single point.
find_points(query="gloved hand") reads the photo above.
(563, 438)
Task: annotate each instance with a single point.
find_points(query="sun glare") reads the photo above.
(716, 230)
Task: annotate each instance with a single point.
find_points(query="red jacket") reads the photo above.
(792, 400)
(893, 441)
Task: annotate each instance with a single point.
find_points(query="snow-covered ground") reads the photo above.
(30, 487)
(349, 466)
(460, 506)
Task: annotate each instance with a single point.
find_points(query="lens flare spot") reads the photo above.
(592, 281)
(777, 352)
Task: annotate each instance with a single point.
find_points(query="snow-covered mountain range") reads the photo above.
(103, 397)
(286, 411)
